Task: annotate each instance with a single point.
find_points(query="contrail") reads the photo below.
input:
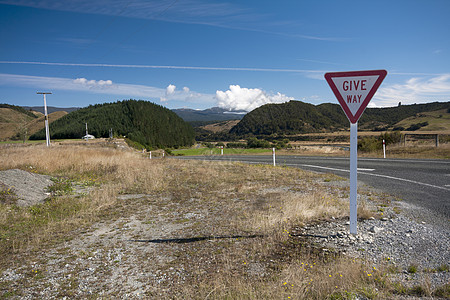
(198, 68)
(159, 67)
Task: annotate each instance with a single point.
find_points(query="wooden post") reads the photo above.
(437, 140)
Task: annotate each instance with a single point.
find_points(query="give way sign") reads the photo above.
(355, 89)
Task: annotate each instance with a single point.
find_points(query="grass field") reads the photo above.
(207, 230)
(216, 151)
(437, 121)
(42, 141)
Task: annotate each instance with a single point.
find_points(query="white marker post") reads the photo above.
(150, 156)
(221, 150)
(384, 149)
(273, 154)
(354, 90)
(47, 131)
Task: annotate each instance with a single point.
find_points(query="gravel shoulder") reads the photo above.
(415, 249)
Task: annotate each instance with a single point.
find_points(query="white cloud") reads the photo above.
(237, 98)
(107, 87)
(170, 89)
(82, 85)
(414, 90)
(93, 83)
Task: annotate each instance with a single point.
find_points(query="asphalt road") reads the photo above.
(421, 182)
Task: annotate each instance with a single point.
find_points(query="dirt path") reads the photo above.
(126, 256)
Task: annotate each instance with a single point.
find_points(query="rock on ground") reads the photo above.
(30, 188)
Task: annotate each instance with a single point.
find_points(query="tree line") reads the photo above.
(143, 122)
(296, 117)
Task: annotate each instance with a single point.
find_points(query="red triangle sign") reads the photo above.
(355, 89)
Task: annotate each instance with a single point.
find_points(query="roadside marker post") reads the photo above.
(273, 154)
(354, 90)
(384, 149)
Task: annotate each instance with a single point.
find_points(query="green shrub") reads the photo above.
(372, 144)
(412, 269)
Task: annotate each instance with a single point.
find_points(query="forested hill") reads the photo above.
(296, 117)
(151, 125)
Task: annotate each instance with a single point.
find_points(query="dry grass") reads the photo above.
(257, 204)
(30, 228)
(14, 122)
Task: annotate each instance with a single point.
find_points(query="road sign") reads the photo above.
(355, 89)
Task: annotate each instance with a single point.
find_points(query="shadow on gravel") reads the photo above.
(197, 239)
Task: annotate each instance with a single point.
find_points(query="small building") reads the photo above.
(88, 136)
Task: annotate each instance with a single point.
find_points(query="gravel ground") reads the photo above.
(132, 257)
(30, 188)
(398, 239)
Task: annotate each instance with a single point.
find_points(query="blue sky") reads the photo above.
(234, 54)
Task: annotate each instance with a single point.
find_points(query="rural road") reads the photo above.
(422, 182)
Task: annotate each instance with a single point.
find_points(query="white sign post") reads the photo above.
(354, 90)
(273, 154)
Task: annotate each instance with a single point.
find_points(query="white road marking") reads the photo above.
(388, 159)
(368, 170)
(348, 171)
(377, 175)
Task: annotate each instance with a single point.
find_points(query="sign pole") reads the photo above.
(354, 90)
(353, 177)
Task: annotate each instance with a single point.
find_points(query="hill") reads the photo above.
(51, 109)
(11, 122)
(438, 120)
(143, 122)
(223, 126)
(17, 123)
(208, 115)
(297, 117)
(38, 124)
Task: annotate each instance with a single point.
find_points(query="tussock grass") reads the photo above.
(257, 205)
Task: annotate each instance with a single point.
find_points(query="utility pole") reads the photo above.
(47, 132)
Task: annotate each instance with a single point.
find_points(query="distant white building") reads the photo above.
(88, 136)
